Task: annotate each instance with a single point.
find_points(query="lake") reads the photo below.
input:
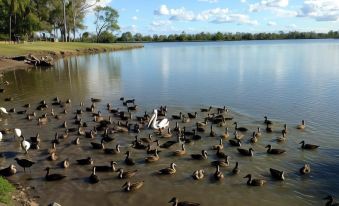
(287, 80)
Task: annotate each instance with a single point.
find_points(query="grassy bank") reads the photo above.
(6, 189)
(59, 48)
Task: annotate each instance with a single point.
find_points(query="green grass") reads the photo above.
(7, 49)
(6, 189)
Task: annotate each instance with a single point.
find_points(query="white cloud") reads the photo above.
(216, 15)
(271, 23)
(236, 18)
(209, 1)
(135, 18)
(160, 23)
(243, 1)
(277, 7)
(320, 10)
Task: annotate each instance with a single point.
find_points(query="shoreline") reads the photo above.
(7, 63)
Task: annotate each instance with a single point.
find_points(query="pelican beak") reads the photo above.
(151, 120)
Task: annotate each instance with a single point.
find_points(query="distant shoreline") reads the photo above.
(55, 50)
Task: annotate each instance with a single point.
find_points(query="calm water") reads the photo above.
(286, 80)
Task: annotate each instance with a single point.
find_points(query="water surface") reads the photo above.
(286, 80)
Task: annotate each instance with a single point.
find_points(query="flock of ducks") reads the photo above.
(124, 121)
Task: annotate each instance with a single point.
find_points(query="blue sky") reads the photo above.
(194, 16)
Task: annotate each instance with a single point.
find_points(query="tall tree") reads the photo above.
(79, 8)
(106, 19)
(15, 7)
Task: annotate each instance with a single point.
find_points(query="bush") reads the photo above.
(6, 189)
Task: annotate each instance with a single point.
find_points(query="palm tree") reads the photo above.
(15, 7)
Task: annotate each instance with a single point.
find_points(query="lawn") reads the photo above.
(6, 189)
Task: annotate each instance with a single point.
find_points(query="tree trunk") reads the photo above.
(65, 27)
(10, 28)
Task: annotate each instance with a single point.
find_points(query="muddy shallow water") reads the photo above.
(183, 77)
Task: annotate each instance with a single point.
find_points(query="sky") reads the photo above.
(194, 16)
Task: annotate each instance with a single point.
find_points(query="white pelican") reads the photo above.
(158, 124)
(25, 145)
(17, 132)
(3, 110)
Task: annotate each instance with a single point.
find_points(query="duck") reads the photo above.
(168, 170)
(302, 125)
(106, 168)
(276, 174)
(3, 110)
(201, 156)
(202, 124)
(86, 161)
(148, 139)
(52, 149)
(113, 151)
(222, 110)
(254, 138)
(308, 146)
(220, 154)
(274, 151)
(200, 128)
(235, 142)
(65, 164)
(246, 152)
(93, 178)
(285, 129)
(185, 119)
(238, 135)
(305, 169)
(95, 100)
(8, 171)
(268, 128)
(56, 139)
(282, 138)
(222, 163)
(212, 132)
(254, 182)
(217, 174)
(36, 138)
(330, 201)
(267, 121)
(192, 116)
(53, 177)
(180, 152)
(177, 116)
(168, 134)
(76, 141)
(175, 202)
(206, 109)
(152, 158)
(195, 135)
(130, 187)
(187, 133)
(241, 129)
(24, 163)
(167, 144)
(236, 169)
(218, 146)
(258, 133)
(25, 145)
(225, 135)
(128, 159)
(198, 174)
(127, 174)
(52, 156)
(100, 145)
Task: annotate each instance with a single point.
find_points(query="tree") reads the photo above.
(79, 8)
(126, 37)
(106, 20)
(15, 7)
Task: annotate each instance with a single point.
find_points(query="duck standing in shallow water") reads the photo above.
(175, 202)
(130, 187)
(24, 163)
(254, 182)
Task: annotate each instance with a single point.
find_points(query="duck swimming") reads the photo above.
(129, 187)
(175, 202)
(254, 182)
(168, 170)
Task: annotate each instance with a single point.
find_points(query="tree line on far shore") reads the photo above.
(108, 37)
